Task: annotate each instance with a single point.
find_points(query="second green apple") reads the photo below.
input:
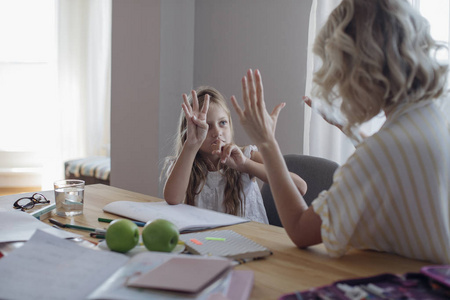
(160, 235)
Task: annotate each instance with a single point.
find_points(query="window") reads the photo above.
(437, 12)
(28, 89)
(27, 73)
(55, 76)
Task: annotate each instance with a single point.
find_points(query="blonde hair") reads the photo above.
(376, 55)
(233, 204)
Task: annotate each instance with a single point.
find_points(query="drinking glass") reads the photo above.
(69, 197)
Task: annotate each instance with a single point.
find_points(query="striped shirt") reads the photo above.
(392, 194)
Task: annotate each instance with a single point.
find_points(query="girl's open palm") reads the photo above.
(197, 128)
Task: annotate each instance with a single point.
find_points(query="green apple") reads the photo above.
(160, 235)
(122, 235)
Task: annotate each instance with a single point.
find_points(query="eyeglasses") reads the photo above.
(26, 203)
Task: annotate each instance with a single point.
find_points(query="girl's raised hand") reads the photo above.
(255, 119)
(197, 128)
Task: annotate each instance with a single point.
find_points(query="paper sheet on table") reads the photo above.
(55, 268)
(20, 226)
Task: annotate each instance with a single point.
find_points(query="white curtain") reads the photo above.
(84, 68)
(437, 13)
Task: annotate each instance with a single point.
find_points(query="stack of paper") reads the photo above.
(70, 272)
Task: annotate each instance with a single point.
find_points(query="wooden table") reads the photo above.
(289, 269)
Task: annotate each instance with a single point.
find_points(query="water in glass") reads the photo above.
(69, 201)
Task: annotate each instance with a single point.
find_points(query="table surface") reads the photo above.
(289, 269)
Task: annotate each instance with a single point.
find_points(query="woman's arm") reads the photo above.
(301, 223)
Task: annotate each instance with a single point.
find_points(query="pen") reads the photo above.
(96, 230)
(80, 227)
(140, 224)
(96, 235)
(53, 221)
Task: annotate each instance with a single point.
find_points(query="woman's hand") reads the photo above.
(358, 137)
(275, 113)
(197, 128)
(308, 102)
(255, 119)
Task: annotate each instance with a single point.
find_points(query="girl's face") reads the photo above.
(219, 131)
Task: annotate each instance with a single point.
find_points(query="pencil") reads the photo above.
(53, 221)
(79, 227)
(96, 230)
(140, 224)
(96, 235)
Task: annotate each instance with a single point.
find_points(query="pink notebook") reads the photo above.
(183, 274)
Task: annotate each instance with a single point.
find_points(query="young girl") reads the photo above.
(209, 170)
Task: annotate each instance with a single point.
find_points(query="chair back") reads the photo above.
(316, 171)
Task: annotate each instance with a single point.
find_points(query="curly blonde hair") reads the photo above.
(376, 55)
(233, 204)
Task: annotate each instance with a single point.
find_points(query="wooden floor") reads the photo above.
(17, 190)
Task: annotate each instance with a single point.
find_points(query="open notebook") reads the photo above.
(187, 218)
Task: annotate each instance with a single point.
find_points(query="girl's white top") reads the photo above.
(393, 193)
(212, 194)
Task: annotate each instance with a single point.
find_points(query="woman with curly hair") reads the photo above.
(392, 194)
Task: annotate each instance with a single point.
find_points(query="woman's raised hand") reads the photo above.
(308, 102)
(197, 128)
(255, 119)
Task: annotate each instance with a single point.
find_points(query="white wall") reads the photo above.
(163, 48)
(232, 36)
(135, 94)
(177, 69)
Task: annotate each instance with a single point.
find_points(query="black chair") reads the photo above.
(317, 172)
